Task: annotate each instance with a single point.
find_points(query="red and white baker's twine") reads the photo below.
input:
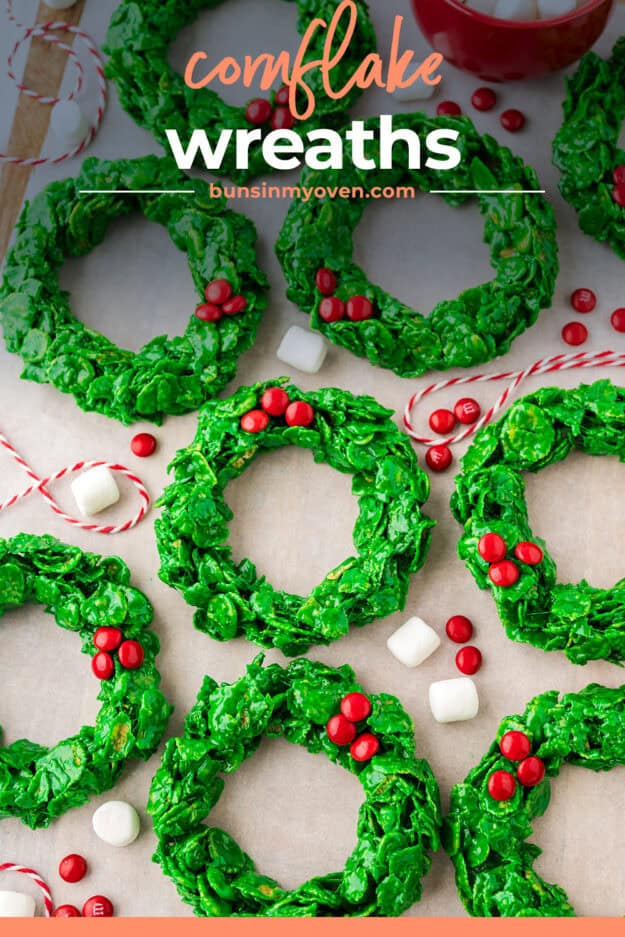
(49, 33)
(565, 362)
(37, 879)
(41, 485)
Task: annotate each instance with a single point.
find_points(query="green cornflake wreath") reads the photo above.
(351, 434)
(156, 97)
(168, 376)
(486, 839)
(83, 592)
(482, 322)
(586, 149)
(398, 823)
(538, 430)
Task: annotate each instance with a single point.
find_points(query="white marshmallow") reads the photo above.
(15, 904)
(516, 10)
(419, 91)
(59, 4)
(487, 7)
(306, 351)
(116, 823)
(454, 700)
(95, 490)
(68, 123)
(548, 9)
(413, 642)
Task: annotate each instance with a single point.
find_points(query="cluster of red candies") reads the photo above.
(459, 629)
(584, 301)
(466, 411)
(73, 868)
(515, 746)
(276, 402)
(220, 302)
(343, 728)
(485, 99)
(107, 640)
(260, 111)
(502, 572)
(333, 309)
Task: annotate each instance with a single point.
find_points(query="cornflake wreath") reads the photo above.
(487, 839)
(84, 592)
(586, 149)
(167, 376)
(156, 97)
(351, 434)
(315, 248)
(398, 823)
(498, 545)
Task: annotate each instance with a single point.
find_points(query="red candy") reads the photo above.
(131, 655)
(448, 109)
(258, 111)
(364, 747)
(467, 411)
(218, 291)
(103, 665)
(97, 906)
(340, 730)
(618, 194)
(355, 707)
(299, 413)
(282, 96)
(143, 445)
(274, 401)
(583, 300)
(107, 638)
(459, 629)
(359, 308)
(618, 320)
(483, 99)
(529, 553)
(501, 785)
(438, 458)
(531, 771)
(515, 745)
(504, 574)
(282, 119)
(442, 421)
(232, 306)
(254, 421)
(574, 333)
(512, 120)
(72, 868)
(492, 548)
(325, 281)
(208, 312)
(66, 910)
(469, 659)
(331, 309)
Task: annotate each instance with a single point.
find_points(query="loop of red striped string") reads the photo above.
(41, 485)
(565, 362)
(37, 879)
(49, 33)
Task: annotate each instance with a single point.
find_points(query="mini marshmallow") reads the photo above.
(15, 904)
(59, 4)
(454, 700)
(516, 10)
(413, 642)
(116, 823)
(487, 7)
(68, 123)
(419, 91)
(306, 351)
(95, 490)
(549, 9)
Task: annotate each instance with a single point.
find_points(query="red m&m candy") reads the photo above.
(515, 745)
(467, 411)
(331, 309)
(501, 785)
(97, 906)
(617, 320)
(504, 574)
(131, 655)
(483, 99)
(218, 291)
(469, 659)
(491, 547)
(618, 194)
(258, 111)
(529, 553)
(364, 747)
(254, 421)
(442, 421)
(282, 119)
(274, 401)
(66, 910)
(72, 868)
(459, 629)
(325, 281)
(359, 308)
(143, 445)
(208, 312)
(448, 109)
(234, 305)
(512, 120)
(282, 96)
(355, 707)
(340, 730)
(531, 771)
(299, 413)
(107, 638)
(583, 300)
(438, 458)
(574, 333)
(103, 665)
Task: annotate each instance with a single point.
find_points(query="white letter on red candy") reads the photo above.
(413, 642)
(454, 700)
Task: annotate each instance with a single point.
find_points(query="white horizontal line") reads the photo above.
(137, 192)
(487, 192)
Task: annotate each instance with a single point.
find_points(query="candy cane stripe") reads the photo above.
(37, 879)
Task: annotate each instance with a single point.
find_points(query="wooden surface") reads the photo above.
(44, 72)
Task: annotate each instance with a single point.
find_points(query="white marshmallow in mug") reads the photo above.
(95, 490)
(515, 10)
(68, 123)
(549, 9)
(15, 904)
(116, 823)
(413, 643)
(303, 350)
(454, 700)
